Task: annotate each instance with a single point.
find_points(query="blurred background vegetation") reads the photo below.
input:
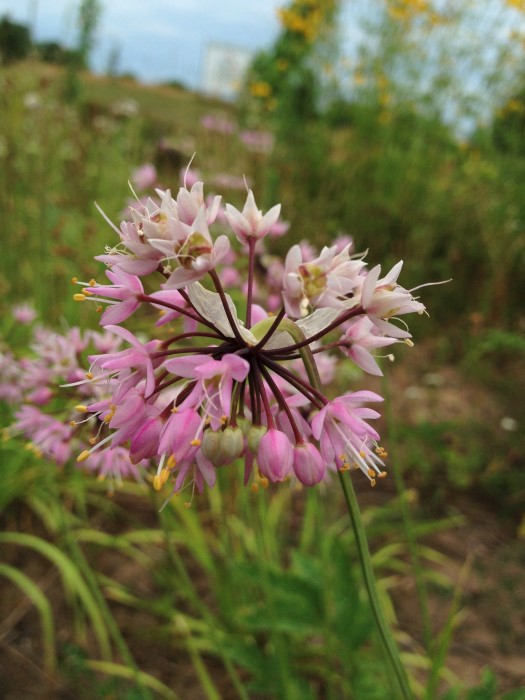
(415, 147)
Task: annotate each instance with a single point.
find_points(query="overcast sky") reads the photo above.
(157, 39)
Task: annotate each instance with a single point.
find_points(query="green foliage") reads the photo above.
(15, 41)
(89, 13)
(257, 595)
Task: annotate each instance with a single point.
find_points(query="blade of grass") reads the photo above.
(42, 604)
(72, 580)
(120, 671)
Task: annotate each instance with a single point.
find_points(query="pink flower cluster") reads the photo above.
(31, 384)
(218, 377)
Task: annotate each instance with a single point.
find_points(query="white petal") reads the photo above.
(318, 320)
(209, 305)
(369, 285)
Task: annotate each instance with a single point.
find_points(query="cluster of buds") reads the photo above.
(240, 375)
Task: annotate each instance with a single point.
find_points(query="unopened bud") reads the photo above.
(211, 446)
(255, 435)
(232, 444)
(244, 424)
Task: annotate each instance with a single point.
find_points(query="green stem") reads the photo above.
(385, 633)
(408, 523)
(387, 640)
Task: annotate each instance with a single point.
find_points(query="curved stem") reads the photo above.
(227, 310)
(180, 309)
(261, 393)
(385, 633)
(192, 334)
(314, 396)
(346, 316)
(282, 403)
(275, 323)
(365, 560)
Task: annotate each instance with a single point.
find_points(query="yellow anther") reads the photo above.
(171, 463)
(89, 375)
(254, 487)
(409, 343)
(87, 292)
(92, 283)
(83, 456)
(157, 482)
(72, 423)
(165, 475)
(74, 280)
(362, 453)
(195, 443)
(81, 408)
(264, 482)
(187, 504)
(372, 482)
(371, 472)
(382, 475)
(99, 309)
(79, 297)
(342, 457)
(174, 409)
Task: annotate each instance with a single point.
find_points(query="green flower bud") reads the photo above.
(244, 424)
(211, 446)
(255, 435)
(232, 443)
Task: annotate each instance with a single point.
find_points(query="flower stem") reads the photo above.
(251, 264)
(345, 316)
(282, 403)
(275, 323)
(227, 310)
(387, 640)
(180, 309)
(385, 633)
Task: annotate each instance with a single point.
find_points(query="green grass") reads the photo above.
(242, 595)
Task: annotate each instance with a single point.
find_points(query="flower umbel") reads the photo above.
(218, 384)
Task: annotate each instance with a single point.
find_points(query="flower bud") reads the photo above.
(243, 423)
(211, 446)
(232, 443)
(308, 465)
(275, 455)
(255, 433)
